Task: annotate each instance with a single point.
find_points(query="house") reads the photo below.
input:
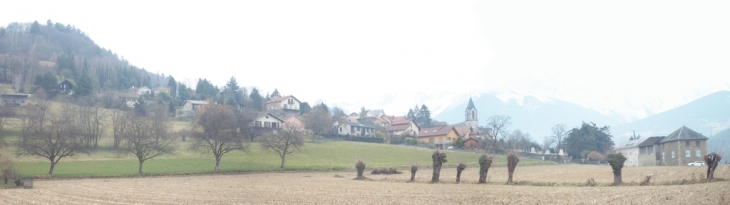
(439, 137)
(403, 127)
(374, 113)
(354, 115)
(161, 89)
(471, 143)
(190, 106)
(129, 99)
(14, 99)
(293, 122)
(66, 87)
(466, 132)
(288, 104)
(267, 120)
(140, 90)
(649, 151)
(682, 146)
(630, 150)
(381, 121)
(350, 128)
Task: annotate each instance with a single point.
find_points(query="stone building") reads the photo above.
(681, 147)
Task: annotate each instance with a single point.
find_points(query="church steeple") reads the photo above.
(470, 115)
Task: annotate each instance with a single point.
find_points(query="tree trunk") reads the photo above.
(413, 176)
(217, 163)
(509, 180)
(139, 171)
(283, 159)
(53, 165)
(617, 179)
(483, 176)
(458, 176)
(436, 173)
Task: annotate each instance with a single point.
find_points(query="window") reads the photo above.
(650, 149)
(697, 143)
(687, 154)
(662, 155)
(686, 143)
(267, 124)
(642, 150)
(258, 124)
(340, 129)
(672, 154)
(698, 153)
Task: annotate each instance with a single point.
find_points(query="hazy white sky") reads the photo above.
(618, 56)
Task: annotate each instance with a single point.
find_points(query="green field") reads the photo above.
(321, 156)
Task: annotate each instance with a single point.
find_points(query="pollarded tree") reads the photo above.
(284, 142)
(512, 161)
(617, 163)
(484, 163)
(459, 169)
(148, 137)
(360, 166)
(712, 160)
(439, 159)
(215, 130)
(414, 169)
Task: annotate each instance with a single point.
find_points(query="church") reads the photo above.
(470, 117)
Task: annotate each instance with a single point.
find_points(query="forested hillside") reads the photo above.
(28, 50)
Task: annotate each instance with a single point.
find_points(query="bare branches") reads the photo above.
(286, 141)
(148, 137)
(559, 133)
(498, 125)
(215, 131)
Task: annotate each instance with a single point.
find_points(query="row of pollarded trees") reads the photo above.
(439, 158)
(57, 133)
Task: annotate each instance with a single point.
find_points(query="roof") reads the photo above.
(272, 115)
(279, 99)
(683, 133)
(461, 131)
(651, 141)
(371, 113)
(359, 125)
(400, 127)
(199, 102)
(435, 131)
(16, 94)
(631, 143)
(69, 81)
(403, 121)
(161, 88)
(471, 105)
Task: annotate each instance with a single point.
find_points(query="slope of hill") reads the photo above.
(720, 143)
(705, 115)
(31, 49)
(528, 114)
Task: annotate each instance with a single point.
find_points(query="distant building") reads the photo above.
(630, 150)
(471, 117)
(439, 137)
(14, 99)
(682, 146)
(66, 87)
(190, 106)
(288, 104)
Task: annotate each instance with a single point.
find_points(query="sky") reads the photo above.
(631, 58)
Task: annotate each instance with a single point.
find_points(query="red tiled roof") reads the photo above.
(461, 131)
(401, 127)
(435, 131)
(282, 98)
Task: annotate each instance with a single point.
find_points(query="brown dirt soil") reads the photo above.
(326, 188)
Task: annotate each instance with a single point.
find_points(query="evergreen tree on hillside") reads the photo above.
(172, 84)
(411, 115)
(35, 28)
(184, 93)
(424, 116)
(256, 99)
(84, 86)
(47, 83)
(275, 94)
(205, 89)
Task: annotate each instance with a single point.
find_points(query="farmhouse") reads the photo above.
(14, 99)
(438, 136)
(350, 128)
(403, 127)
(649, 151)
(190, 106)
(630, 150)
(267, 120)
(682, 146)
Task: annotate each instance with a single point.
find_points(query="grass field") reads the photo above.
(321, 156)
(340, 188)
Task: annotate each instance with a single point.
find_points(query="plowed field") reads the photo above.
(340, 188)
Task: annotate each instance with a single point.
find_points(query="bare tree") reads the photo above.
(245, 121)
(498, 124)
(318, 121)
(50, 135)
(119, 120)
(559, 134)
(284, 142)
(91, 121)
(148, 137)
(215, 130)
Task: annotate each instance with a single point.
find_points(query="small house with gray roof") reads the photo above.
(681, 147)
(649, 154)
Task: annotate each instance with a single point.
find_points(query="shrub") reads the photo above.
(646, 181)
(595, 156)
(7, 169)
(386, 171)
(617, 163)
(591, 182)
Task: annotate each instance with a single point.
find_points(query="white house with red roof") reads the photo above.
(286, 104)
